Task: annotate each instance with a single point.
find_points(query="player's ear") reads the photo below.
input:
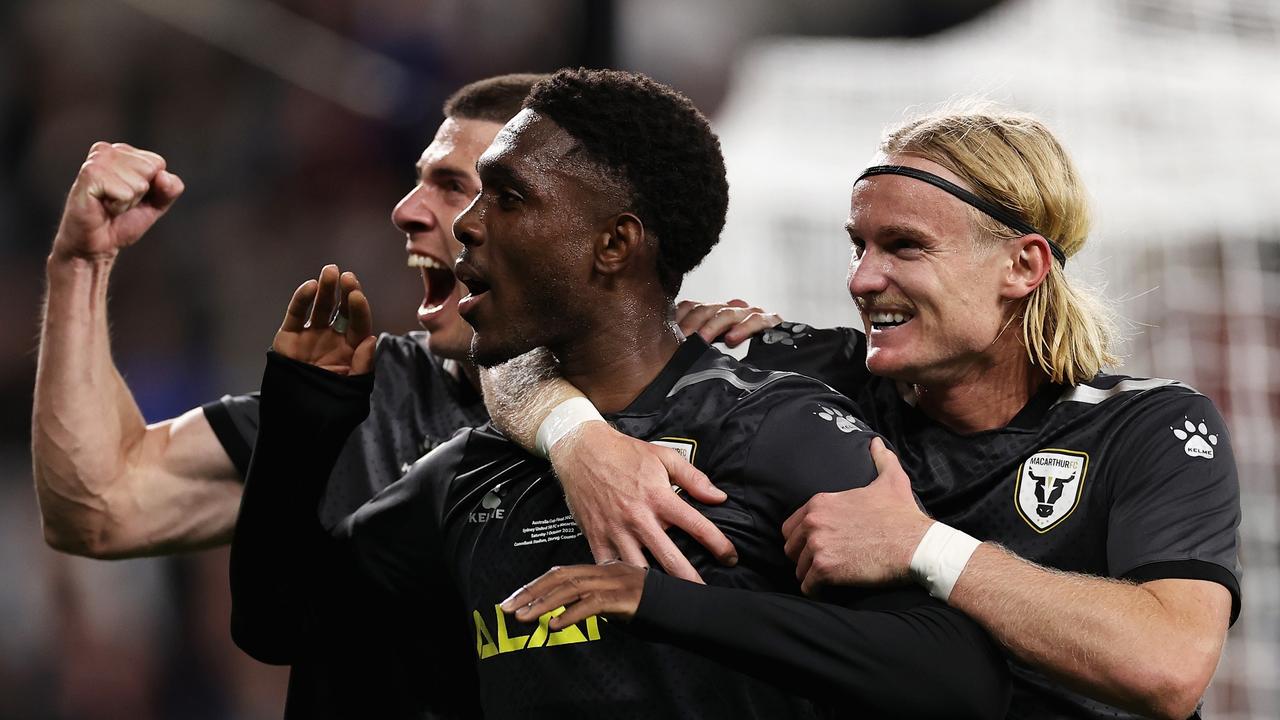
(1028, 261)
(619, 244)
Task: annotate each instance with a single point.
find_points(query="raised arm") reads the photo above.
(287, 572)
(108, 484)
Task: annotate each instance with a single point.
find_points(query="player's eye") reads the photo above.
(858, 246)
(509, 199)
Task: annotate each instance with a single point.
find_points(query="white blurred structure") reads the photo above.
(1171, 110)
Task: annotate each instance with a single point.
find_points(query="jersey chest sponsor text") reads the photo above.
(499, 640)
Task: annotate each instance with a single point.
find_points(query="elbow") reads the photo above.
(1173, 688)
(1176, 694)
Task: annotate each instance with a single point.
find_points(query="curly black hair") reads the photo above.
(660, 144)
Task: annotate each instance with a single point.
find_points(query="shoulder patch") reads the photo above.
(1199, 441)
(1049, 486)
(845, 422)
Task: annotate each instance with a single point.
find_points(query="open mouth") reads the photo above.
(438, 281)
(881, 320)
(476, 287)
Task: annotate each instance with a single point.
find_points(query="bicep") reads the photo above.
(180, 491)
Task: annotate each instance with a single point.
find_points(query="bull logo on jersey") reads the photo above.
(1050, 484)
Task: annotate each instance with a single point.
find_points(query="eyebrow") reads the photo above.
(420, 171)
(497, 171)
(905, 231)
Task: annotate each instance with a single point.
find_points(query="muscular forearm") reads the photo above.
(521, 393)
(1136, 646)
(901, 656)
(85, 424)
(108, 484)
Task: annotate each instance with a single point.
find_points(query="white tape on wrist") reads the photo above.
(940, 558)
(562, 420)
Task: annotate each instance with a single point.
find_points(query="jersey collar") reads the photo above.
(652, 397)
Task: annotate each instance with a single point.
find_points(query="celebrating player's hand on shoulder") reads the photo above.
(864, 536)
(329, 324)
(737, 320)
(118, 195)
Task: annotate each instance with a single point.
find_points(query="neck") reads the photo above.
(986, 399)
(463, 371)
(612, 364)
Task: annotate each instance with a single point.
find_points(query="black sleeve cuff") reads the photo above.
(314, 395)
(1190, 570)
(224, 428)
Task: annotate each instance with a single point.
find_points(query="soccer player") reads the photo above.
(111, 486)
(1108, 504)
(576, 243)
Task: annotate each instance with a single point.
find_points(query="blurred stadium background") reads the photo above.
(295, 124)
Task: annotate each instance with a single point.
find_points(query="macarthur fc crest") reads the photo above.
(1049, 487)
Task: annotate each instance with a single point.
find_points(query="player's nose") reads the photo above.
(413, 213)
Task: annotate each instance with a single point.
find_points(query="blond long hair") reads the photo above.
(1012, 159)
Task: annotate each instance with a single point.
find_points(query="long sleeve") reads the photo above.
(895, 653)
(281, 555)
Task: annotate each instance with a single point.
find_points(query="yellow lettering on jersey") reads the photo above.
(508, 644)
(485, 647)
(543, 636)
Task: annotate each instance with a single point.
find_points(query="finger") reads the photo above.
(738, 302)
(682, 473)
(326, 297)
(111, 190)
(683, 307)
(696, 317)
(295, 316)
(629, 550)
(166, 188)
(705, 532)
(602, 549)
(668, 556)
(593, 604)
(573, 589)
(362, 359)
(359, 317)
(886, 462)
(725, 318)
(793, 522)
(346, 283)
(754, 324)
(804, 563)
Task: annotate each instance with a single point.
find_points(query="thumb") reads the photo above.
(889, 470)
(691, 479)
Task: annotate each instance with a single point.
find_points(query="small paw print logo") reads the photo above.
(784, 334)
(1199, 443)
(846, 423)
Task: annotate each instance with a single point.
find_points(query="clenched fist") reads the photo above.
(118, 195)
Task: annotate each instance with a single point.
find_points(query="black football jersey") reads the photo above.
(416, 405)
(1119, 477)
(478, 517)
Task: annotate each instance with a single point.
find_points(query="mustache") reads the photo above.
(877, 300)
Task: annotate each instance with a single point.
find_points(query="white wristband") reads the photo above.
(940, 558)
(561, 421)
